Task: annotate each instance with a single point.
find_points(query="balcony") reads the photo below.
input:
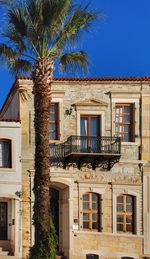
(78, 150)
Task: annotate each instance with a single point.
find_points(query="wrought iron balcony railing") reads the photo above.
(83, 146)
(95, 145)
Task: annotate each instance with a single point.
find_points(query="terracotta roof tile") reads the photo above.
(145, 78)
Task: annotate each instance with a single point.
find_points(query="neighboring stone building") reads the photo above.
(100, 187)
(10, 190)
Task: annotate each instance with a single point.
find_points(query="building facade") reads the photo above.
(10, 190)
(100, 165)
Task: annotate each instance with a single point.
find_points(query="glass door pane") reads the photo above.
(90, 128)
(84, 132)
(84, 129)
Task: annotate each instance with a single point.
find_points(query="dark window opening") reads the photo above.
(5, 153)
(3, 220)
(92, 256)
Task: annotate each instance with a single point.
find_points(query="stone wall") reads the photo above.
(124, 178)
(106, 246)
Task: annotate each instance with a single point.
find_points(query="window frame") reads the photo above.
(54, 122)
(123, 123)
(9, 165)
(124, 213)
(90, 211)
(89, 117)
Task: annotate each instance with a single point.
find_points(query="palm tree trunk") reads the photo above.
(42, 77)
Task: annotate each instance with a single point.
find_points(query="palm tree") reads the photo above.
(39, 33)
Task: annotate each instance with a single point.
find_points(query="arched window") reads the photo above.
(126, 213)
(5, 153)
(92, 256)
(91, 211)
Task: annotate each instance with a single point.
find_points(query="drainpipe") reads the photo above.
(112, 207)
(140, 122)
(20, 229)
(140, 157)
(78, 205)
(110, 98)
(141, 170)
(31, 206)
(19, 200)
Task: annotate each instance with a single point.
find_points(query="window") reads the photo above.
(92, 256)
(124, 121)
(5, 153)
(126, 257)
(54, 122)
(125, 213)
(91, 211)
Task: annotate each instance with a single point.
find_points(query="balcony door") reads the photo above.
(90, 128)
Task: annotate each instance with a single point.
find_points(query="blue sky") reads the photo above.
(118, 45)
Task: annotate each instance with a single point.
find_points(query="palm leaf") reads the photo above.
(74, 61)
(14, 38)
(80, 20)
(6, 3)
(19, 66)
(54, 13)
(16, 18)
(7, 52)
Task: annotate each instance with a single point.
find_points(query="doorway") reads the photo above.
(60, 214)
(54, 202)
(90, 130)
(3, 220)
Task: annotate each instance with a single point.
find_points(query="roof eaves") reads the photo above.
(146, 78)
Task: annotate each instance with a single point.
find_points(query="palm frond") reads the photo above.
(46, 18)
(6, 3)
(21, 22)
(74, 61)
(6, 52)
(14, 38)
(16, 19)
(80, 20)
(19, 66)
(55, 53)
(54, 13)
(14, 63)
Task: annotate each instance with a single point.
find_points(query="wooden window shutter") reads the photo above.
(132, 122)
(58, 122)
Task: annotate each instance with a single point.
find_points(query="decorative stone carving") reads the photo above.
(57, 164)
(91, 102)
(105, 177)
